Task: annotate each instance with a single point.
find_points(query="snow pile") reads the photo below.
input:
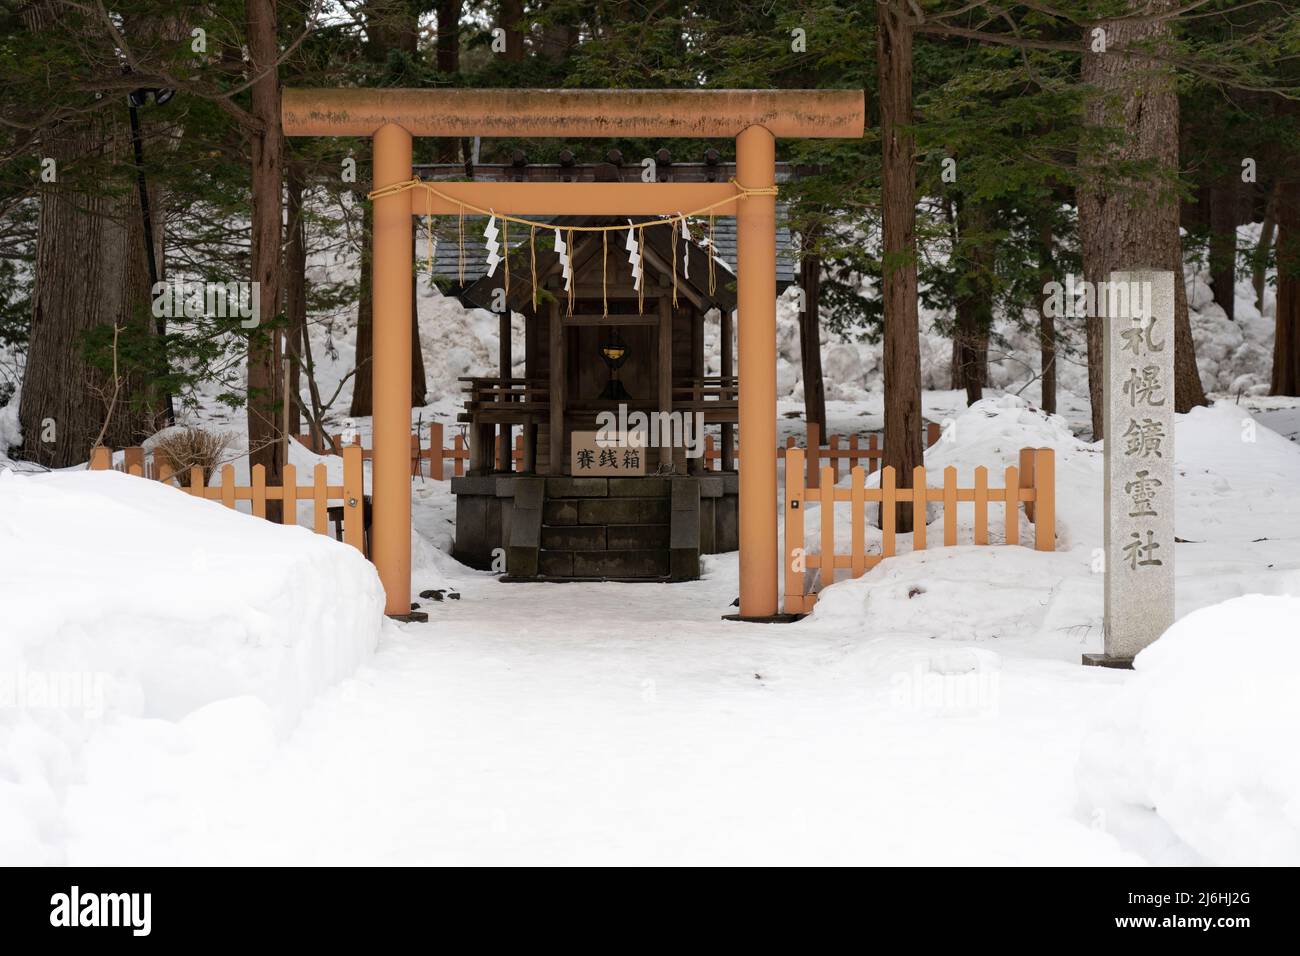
(1233, 355)
(1197, 760)
(128, 606)
(918, 593)
(11, 435)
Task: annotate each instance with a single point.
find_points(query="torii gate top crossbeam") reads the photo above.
(718, 114)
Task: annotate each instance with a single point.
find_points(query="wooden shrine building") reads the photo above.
(623, 524)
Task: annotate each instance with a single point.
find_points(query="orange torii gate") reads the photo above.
(754, 118)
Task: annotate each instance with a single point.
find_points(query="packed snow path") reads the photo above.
(627, 723)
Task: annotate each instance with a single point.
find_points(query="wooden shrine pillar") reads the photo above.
(665, 379)
(696, 466)
(756, 306)
(532, 349)
(556, 388)
(391, 266)
(505, 450)
(727, 365)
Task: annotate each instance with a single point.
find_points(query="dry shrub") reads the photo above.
(189, 447)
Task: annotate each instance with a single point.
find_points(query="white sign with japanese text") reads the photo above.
(610, 457)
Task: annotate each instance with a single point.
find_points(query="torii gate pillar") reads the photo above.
(756, 348)
(390, 528)
(753, 117)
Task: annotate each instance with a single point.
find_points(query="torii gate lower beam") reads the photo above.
(754, 117)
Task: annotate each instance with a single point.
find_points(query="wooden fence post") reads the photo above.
(827, 490)
(794, 547)
(133, 460)
(289, 495)
(320, 499)
(1027, 478)
(101, 459)
(834, 457)
(949, 506)
(858, 515)
(1012, 485)
(1044, 499)
(814, 455)
(354, 531)
(981, 505)
(435, 451)
(228, 485)
(918, 508)
(259, 491)
(887, 505)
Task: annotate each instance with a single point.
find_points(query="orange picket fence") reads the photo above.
(1031, 483)
(838, 451)
(426, 460)
(320, 493)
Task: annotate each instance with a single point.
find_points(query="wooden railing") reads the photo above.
(836, 452)
(320, 493)
(1031, 483)
(427, 460)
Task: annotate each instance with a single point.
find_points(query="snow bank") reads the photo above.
(1198, 758)
(127, 606)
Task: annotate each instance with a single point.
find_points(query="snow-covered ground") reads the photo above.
(135, 619)
(236, 698)
(933, 711)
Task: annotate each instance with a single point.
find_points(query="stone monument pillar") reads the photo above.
(1139, 417)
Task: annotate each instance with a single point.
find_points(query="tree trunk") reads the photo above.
(400, 23)
(810, 343)
(1133, 223)
(1047, 324)
(264, 439)
(91, 276)
(1223, 243)
(1259, 264)
(392, 25)
(362, 380)
(419, 385)
(512, 21)
(1286, 340)
(974, 305)
(448, 61)
(295, 292)
(90, 272)
(902, 355)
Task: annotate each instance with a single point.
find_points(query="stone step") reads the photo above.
(606, 511)
(637, 537)
(574, 537)
(598, 565)
(618, 537)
